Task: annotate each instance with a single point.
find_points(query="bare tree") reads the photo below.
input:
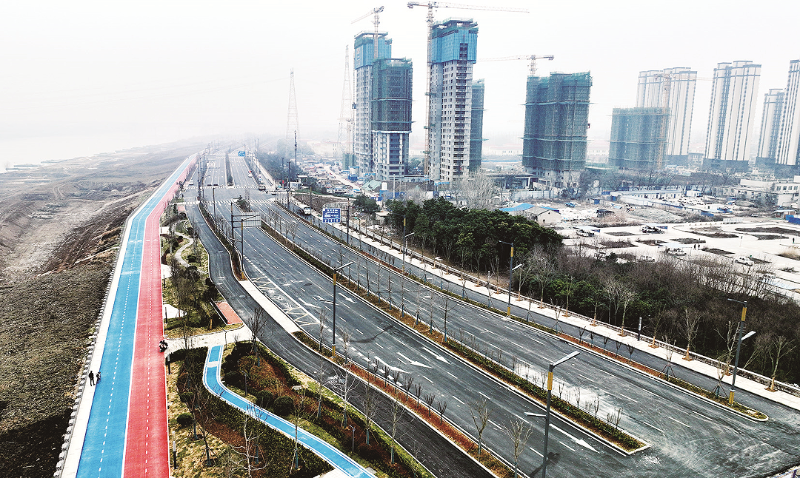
(480, 416)
(441, 405)
(780, 347)
(429, 399)
(690, 324)
(519, 432)
(396, 413)
(369, 407)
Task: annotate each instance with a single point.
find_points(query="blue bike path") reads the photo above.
(337, 459)
(103, 450)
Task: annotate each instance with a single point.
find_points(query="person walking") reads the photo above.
(98, 376)
(91, 378)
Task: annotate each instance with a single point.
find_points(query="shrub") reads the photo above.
(186, 397)
(283, 405)
(234, 378)
(264, 399)
(185, 419)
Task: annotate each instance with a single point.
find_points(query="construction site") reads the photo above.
(556, 123)
(637, 137)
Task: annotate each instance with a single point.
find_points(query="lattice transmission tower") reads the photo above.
(344, 140)
(292, 127)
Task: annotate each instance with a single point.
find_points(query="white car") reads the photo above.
(744, 261)
(647, 259)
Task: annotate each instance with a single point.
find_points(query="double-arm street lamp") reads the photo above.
(547, 415)
(335, 272)
(510, 273)
(740, 329)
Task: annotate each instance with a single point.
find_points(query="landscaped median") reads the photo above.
(716, 398)
(603, 430)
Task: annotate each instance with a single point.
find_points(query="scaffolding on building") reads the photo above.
(637, 138)
(556, 124)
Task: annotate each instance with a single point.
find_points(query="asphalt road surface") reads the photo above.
(689, 437)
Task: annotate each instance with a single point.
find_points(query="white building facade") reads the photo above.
(732, 115)
(789, 134)
(672, 88)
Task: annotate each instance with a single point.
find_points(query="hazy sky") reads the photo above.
(144, 71)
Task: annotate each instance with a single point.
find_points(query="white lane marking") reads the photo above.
(413, 362)
(580, 442)
(567, 446)
(629, 398)
(677, 421)
(531, 449)
(437, 356)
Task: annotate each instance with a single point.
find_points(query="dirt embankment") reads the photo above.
(59, 230)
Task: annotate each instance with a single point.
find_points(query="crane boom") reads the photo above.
(375, 11)
(532, 58)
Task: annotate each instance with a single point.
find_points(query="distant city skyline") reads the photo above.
(132, 74)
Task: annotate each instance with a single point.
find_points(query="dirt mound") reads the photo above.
(59, 228)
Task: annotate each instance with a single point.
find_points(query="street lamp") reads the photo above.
(549, 393)
(740, 328)
(336, 271)
(510, 273)
(405, 242)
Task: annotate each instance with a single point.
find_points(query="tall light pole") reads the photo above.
(547, 416)
(335, 272)
(405, 242)
(510, 273)
(740, 328)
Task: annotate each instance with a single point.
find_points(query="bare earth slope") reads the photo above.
(59, 231)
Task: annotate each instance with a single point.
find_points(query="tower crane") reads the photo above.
(532, 58)
(375, 11)
(431, 6)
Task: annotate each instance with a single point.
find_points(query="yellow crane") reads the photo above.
(375, 11)
(532, 58)
(431, 6)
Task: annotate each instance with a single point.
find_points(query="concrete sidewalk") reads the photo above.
(601, 329)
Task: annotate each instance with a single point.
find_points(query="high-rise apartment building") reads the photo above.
(453, 52)
(788, 152)
(770, 128)
(556, 122)
(671, 88)
(476, 127)
(391, 117)
(731, 116)
(637, 137)
(382, 108)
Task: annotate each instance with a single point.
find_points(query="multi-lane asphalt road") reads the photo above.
(689, 437)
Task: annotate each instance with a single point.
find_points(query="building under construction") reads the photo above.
(556, 122)
(476, 127)
(638, 139)
(453, 52)
(391, 117)
(382, 108)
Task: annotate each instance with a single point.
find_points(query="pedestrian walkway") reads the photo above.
(231, 317)
(211, 379)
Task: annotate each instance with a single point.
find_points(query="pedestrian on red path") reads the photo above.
(98, 376)
(91, 377)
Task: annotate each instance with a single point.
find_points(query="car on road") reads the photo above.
(745, 261)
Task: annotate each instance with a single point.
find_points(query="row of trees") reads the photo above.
(469, 237)
(680, 302)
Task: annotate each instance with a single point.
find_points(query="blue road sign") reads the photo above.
(331, 215)
(241, 153)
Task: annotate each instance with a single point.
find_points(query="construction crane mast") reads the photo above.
(532, 58)
(377, 21)
(431, 6)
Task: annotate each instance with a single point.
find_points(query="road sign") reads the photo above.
(241, 153)
(331, 215)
